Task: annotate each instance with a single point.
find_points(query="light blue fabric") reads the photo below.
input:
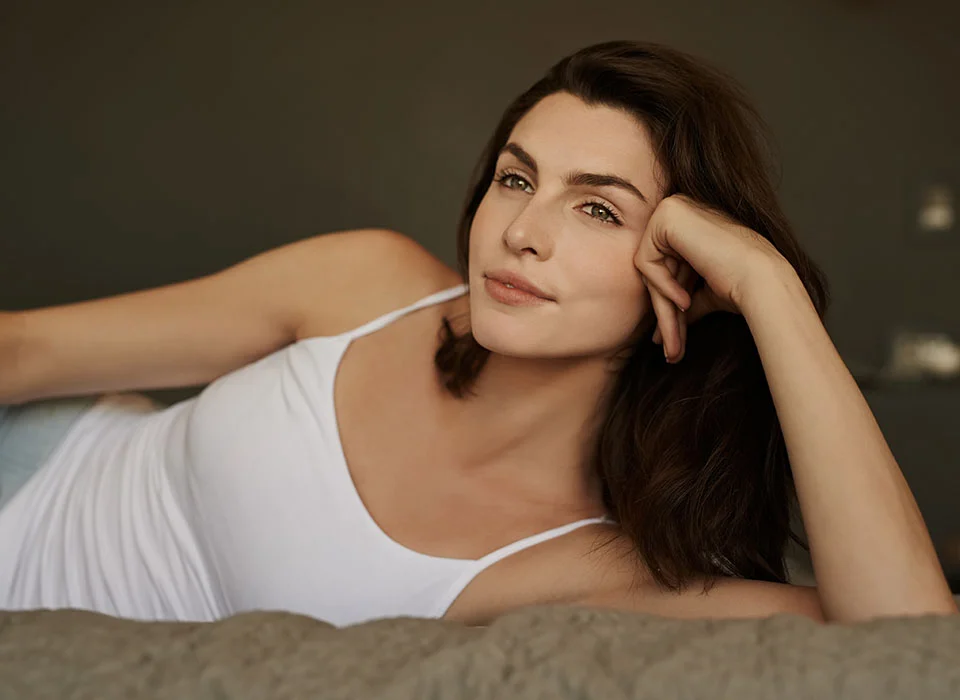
(28, 435)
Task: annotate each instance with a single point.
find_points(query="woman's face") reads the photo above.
(576, 242)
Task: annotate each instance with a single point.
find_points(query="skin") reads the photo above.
(550, 364)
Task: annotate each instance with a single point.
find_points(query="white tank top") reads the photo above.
(237, 499)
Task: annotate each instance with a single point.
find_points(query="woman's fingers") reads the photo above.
(685, 277)
(662, 278)
(682, 331)
(666, 312)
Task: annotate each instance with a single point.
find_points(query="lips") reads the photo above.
(519, 282)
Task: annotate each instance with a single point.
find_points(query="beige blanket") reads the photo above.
(540, 652)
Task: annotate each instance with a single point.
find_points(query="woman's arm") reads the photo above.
(191, 332)
(11, 334)
(872, 553)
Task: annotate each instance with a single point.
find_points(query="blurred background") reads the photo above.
(149, 143)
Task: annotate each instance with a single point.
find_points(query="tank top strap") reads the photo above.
(475, 567)
(391, 316)
(520, 545)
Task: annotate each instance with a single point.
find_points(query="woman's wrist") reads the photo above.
(770, 287)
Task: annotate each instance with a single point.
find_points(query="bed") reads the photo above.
(548, 651)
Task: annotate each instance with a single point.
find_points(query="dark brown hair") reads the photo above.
(691, 456)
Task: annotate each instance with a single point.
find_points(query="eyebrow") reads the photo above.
(576, 178)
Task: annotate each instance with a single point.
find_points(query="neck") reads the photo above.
(532, 423)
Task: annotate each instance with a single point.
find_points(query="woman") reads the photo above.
(542, 449)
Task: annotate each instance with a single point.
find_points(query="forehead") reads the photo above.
(564, 133)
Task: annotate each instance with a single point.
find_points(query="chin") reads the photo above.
(505, 337)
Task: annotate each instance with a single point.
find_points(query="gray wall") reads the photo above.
(146, 143)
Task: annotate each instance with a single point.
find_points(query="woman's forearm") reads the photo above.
(11, 341)
(871, 551)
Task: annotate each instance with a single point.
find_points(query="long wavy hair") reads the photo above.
(691, 456)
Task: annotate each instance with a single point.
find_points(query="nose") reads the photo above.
(528, 232)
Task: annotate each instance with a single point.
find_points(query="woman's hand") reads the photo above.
(685, 242)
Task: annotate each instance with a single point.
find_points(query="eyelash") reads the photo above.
(613, 220)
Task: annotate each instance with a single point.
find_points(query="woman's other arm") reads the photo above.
(189, 333)
(871, 550)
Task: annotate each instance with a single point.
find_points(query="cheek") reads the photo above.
(611, 307)
(480, 229)
(611, 291)
(486, 213)
(603, 323)
(608, 278)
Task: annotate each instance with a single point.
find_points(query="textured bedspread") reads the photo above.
(542, 652)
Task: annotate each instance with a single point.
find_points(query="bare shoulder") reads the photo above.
(726, 598)
(598, 567)
(372, 272)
